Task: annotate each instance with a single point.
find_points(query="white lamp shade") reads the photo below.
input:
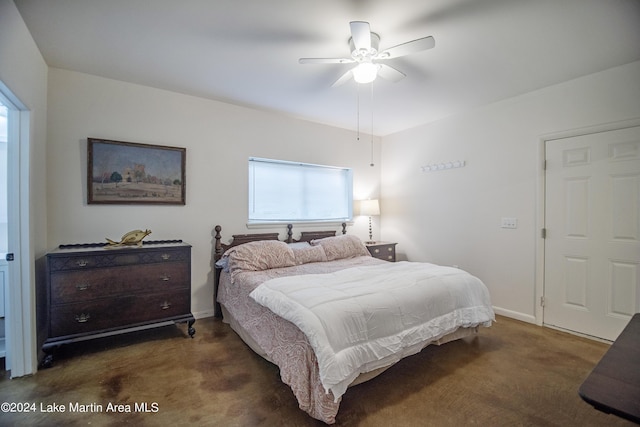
(369, 207)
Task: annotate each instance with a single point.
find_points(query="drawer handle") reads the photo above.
(165, 256)
(82, 263)
(389, 249)
(83, 286)
(82, 318)
(165, 305)
(165, 278)
(390, 257)
(377, 251)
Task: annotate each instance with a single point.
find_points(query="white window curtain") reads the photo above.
(282, 191)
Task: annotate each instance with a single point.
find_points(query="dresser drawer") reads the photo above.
(92, 316)
(116, 258)
(84, 285)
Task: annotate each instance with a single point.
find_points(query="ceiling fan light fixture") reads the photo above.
(364, 48)
(365, 72)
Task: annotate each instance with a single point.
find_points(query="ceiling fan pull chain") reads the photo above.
(358, 112)
(371, 164)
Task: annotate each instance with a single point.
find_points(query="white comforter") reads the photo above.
(363, 318)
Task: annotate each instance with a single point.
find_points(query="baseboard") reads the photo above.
(515, 315)
(203, 314)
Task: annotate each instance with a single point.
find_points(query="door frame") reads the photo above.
(541, 200)
(21, 356)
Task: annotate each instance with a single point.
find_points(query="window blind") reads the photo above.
(281, 191)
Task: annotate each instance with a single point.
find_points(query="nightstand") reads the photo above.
(382, 250)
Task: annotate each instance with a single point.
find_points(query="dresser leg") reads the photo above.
(191, 329)
(47, 362)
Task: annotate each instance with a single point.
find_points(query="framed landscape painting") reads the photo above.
(131, 173)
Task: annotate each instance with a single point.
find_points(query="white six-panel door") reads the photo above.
(592, 220)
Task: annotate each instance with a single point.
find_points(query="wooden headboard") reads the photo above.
(238, 239)
(307, 236)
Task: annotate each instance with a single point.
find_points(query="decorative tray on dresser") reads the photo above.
(93, 290)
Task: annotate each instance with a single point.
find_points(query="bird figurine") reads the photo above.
(130, 239)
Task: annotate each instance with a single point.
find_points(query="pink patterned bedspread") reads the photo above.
(282, 341)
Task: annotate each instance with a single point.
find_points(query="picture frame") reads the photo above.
(121, 172)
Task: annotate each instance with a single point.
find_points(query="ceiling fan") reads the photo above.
(364, 52)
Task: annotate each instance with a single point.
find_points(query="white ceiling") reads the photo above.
(246, 51)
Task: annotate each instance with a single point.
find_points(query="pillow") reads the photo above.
(259, 255)
(308, 254)
(299, 245)
(345, 246)
(223, 263)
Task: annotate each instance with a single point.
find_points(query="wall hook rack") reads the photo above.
(443, 166)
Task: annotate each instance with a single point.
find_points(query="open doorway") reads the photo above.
(18, 325)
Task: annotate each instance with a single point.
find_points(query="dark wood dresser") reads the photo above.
(90, 292)
(614, 384)
(382, 250)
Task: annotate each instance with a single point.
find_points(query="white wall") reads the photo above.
(218, 137)
(453, 217)
(23, 72)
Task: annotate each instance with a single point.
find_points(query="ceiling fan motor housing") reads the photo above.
(365, 55)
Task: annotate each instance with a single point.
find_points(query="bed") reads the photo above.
(325, 311)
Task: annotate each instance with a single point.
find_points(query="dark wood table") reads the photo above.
(614, 384)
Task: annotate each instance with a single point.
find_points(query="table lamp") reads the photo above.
(369, 208)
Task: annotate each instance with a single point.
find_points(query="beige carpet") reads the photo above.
(512, 374)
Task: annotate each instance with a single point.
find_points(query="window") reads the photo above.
(288, 192)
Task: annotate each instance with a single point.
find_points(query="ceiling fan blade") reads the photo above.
(343, 79)
(361, 34)
(389, 73)
(408, 48)
(325, 60)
